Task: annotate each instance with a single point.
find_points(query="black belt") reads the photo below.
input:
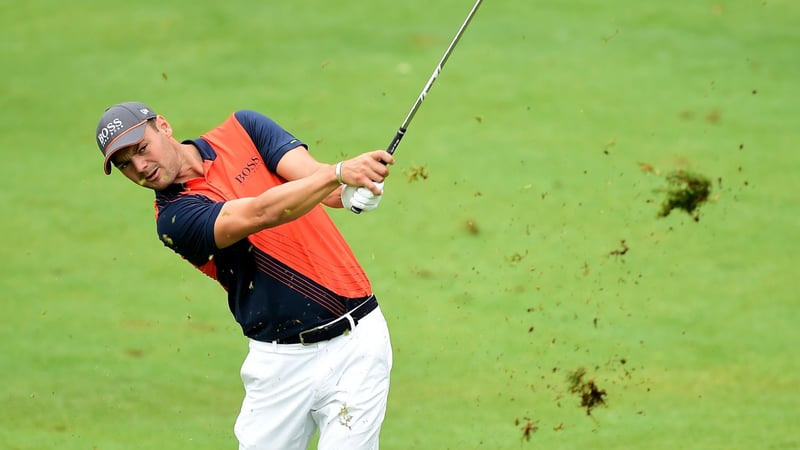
(333, 328)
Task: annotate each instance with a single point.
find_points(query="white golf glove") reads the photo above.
(360, 199)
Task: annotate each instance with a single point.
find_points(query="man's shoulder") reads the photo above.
(249, 114)
(249, 118)
(176, 195)
(171, 192)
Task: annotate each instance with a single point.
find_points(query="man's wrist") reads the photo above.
(338, 172)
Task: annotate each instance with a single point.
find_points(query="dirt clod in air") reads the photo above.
(621, 251)
(472, 227)
(416, 173)
(686, 191)
(528, 427)
(591, 395)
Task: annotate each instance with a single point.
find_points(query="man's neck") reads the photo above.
(191, 163)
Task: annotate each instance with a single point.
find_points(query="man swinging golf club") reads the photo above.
(242, 203)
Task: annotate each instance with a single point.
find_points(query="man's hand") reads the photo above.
(365, 169)
(362, 178)
(361, 198)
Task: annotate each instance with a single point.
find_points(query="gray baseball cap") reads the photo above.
(122, 125)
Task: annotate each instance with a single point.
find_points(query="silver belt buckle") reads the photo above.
(302, 338)
(348, 316)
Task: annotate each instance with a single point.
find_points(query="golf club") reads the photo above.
(404, 126)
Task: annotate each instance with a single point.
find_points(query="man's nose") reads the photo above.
(139, 163)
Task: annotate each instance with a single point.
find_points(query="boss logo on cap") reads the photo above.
(109, 130)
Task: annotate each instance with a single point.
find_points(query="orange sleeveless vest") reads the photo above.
(311, 244)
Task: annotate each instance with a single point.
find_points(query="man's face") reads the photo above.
(152, 163)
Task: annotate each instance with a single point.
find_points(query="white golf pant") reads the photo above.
(339, 386)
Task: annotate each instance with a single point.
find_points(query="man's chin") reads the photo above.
(154, 185)
(158, 183)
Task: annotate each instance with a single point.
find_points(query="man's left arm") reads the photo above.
(288, 157)
(362, 171)
(298, 163)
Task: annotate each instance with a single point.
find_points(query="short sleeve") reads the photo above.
(271, 140)
(186, 225)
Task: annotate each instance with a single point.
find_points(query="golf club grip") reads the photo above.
(396, 141)
(391, 148)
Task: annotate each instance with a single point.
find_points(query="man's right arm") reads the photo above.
(242, 217)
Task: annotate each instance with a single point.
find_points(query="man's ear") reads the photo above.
(163, 126)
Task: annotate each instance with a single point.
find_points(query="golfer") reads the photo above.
(242, 203)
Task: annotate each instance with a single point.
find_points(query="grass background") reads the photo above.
(497, 273)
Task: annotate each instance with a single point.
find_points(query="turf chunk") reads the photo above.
(686, 190)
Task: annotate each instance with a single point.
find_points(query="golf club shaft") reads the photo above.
(404, 126)
(402, 130)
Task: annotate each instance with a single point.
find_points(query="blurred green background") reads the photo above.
(501, 271)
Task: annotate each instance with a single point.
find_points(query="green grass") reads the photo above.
(534, 134)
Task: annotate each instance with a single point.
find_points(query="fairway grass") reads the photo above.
(532, 248)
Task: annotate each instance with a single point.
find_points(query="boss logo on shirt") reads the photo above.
(248, 169)
(109, 130)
